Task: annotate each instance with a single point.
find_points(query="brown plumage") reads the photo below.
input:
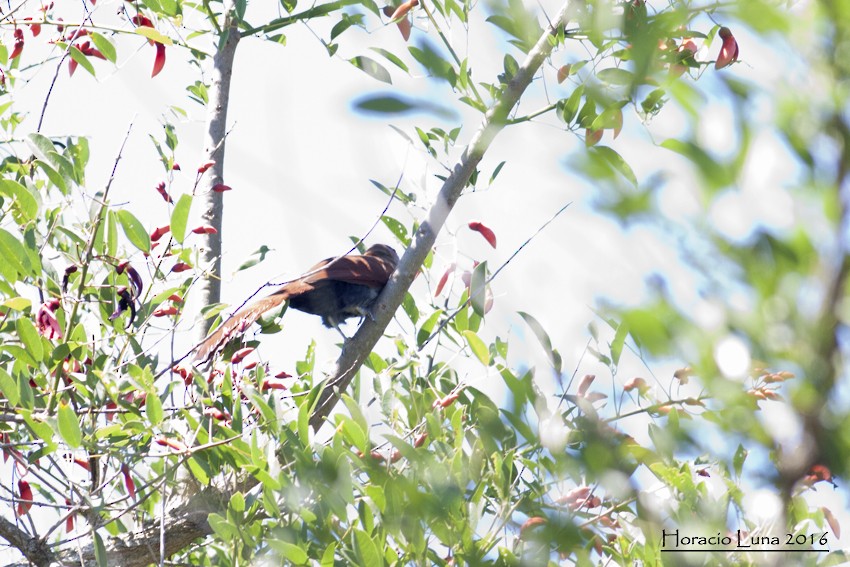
(345, 288)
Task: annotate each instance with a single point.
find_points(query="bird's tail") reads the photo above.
(237, 324)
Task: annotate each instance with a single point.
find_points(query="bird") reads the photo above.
(336, 289)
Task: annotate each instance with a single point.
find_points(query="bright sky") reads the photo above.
(300, 159)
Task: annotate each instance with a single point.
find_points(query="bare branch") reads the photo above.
(212, 202)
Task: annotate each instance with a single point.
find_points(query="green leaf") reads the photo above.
(12, 253)
(371, 68)
(18, 303)
(614, 76)
(153, 35)
(409, 306)
(55, 178)
(24, 203)
(104, 46)
(496, 171)
(328, 556)
(434, 62)
(258, 256)
(353, 433)
(237, 502)
(153, 408)
(618, 342)
(223, 529)
(83, 60)
(69, 426)
(398, 229)
(427, 327)
(477, 288)
(9, 388)
(392, 58)
(198, 470)
(394, 104)
(738, 460)
(290, 551)
(477, 346)
(179, 217)
(30, 338)
(616, 161)
(543, 337)
(134, 230)
(366, 550)
(100, 555)
(42, 147)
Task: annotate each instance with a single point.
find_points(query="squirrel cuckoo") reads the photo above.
(347, 287)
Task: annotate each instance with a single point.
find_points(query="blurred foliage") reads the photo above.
(417, 466)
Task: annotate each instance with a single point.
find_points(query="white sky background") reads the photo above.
(299, 161)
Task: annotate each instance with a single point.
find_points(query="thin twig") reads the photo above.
(491, 278)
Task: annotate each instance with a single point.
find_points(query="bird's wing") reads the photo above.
(362, 270)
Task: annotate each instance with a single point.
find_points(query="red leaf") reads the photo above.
(530, 524)
(832, 521)
(728, 51)
(69, 521)
(206, 166)
(618, 123)
(205, 229)
(638, 384)
(403, 9)
(442, 283)
(160, 188)
(216, 414)
(585, 384)
(563, 73)
(160, 232)
(159, 61)
(128, 481)
(25, 497)
(404, 27)
(19, 43)
(141, 20)
(283, 374)
(171, 443)
(240, 354)
(175, 298)
(72, 66)
(485, 231)
(166, 311)
(220, 188)
(592, 137)
(445, 402)
(420, 440)
(181, 267)
(273, 384)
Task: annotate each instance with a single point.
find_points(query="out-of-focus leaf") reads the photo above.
(371, 68)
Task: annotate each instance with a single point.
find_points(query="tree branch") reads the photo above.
(186, 523)
(358, 348)
(211, 202)
(35, 550)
